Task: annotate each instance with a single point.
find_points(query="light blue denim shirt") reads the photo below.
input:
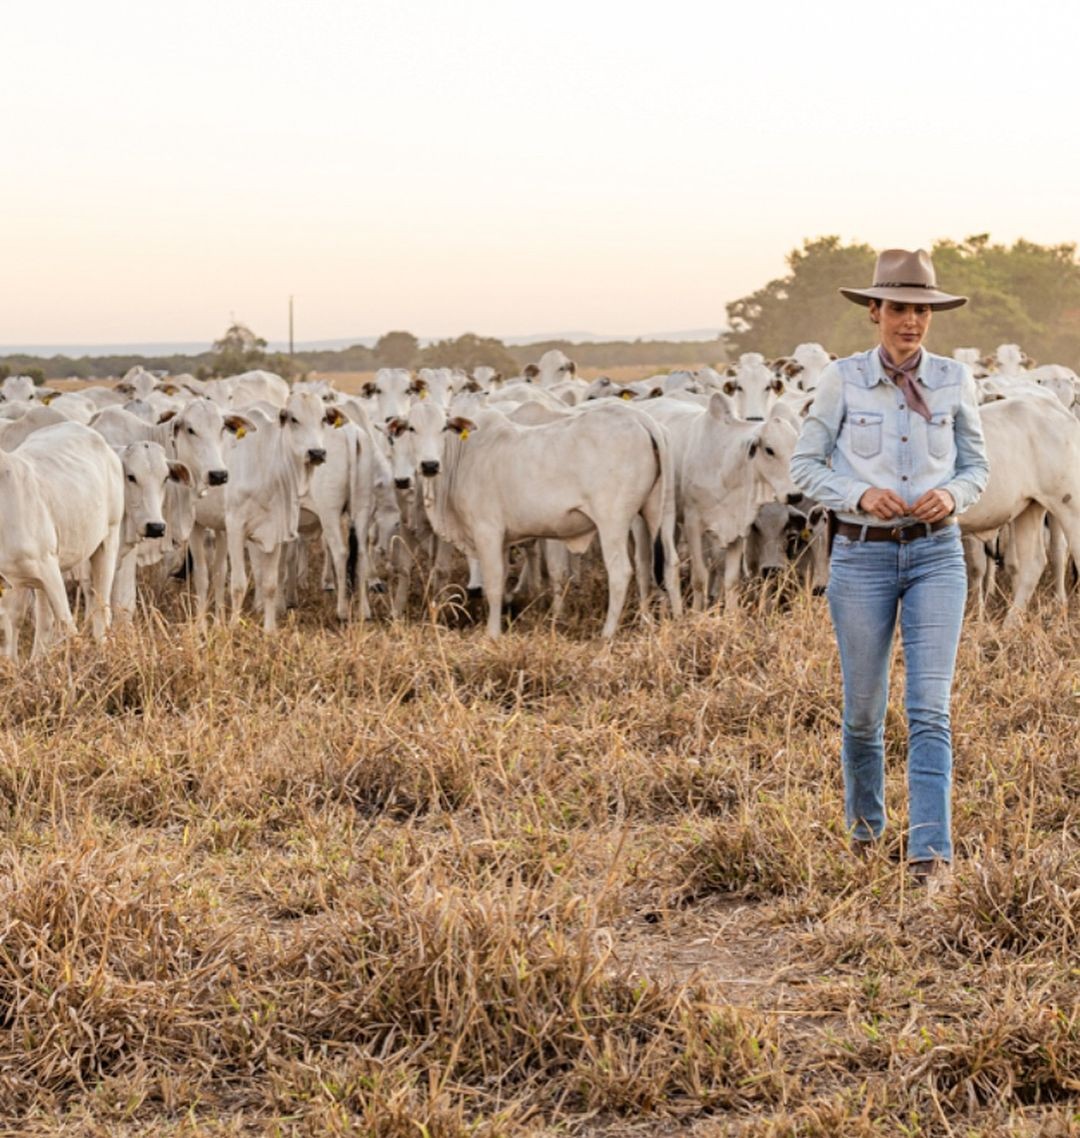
(860, 433)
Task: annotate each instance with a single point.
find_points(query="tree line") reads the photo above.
(1025, 293)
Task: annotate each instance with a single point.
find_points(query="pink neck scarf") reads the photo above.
(905, 378)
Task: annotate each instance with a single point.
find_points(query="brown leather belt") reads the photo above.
(899, 534)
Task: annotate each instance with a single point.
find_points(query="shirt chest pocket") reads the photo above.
(864, 433)
(939, 432)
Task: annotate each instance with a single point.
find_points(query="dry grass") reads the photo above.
(398, 880)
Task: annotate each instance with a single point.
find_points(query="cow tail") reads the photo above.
(665, 555)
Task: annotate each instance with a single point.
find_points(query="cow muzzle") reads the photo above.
(217, 477)
(316, 456)
(403, 483)
(154, 529)
(794, 499)
(429, 469)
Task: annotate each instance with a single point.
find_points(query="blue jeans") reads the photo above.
(868, 583)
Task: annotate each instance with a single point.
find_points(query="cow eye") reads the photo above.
(293, 419)
(131, 477)
(191, 430)
(770, 451)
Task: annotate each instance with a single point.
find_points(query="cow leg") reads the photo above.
(1059, 559)
(50, 607)
(401, 561)
(699, 570)
(639, 533)
(13, 606)
(492, 558)
(238, 581)
(102, 572)
(363, 569)
(266, 569)
(733, 559)
(975, 556)
(337, 557)
(124, 591)
(1027, 557)
(615, 551)
(200, 571)
(557, 559)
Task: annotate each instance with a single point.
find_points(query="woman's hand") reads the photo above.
(884, 504)
(933, 506)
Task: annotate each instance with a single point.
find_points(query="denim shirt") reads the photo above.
(860, 433)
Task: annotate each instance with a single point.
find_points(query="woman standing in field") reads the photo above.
(893, 446)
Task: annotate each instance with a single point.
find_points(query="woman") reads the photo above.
(893, 446)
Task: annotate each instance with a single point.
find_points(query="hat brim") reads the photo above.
(939, 301)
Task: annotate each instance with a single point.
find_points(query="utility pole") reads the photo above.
(290, 327)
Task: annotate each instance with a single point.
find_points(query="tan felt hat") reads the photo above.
(906, 277)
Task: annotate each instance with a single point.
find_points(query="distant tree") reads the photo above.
(5, 371)
(467, 352)
(1026, 294)
(237, 351)
(397, 349)
(37, 374)
(805, 305)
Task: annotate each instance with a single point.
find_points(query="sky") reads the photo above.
(501, 167)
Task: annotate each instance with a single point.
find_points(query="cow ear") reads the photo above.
(720, 408)
(165, 416)
(370, 390)
(396, 427)
(571, 367)
(334, 417)
(179, 472)
(238, 425)
(283, 416)
(751, 450)
(777, 386)
(461, 426)
(730, 387)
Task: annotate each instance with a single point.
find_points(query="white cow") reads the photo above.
(726, 468)
(1033, 446)
(391, 393)
(257, 386)
(17, 387)
(147, 473)
(269, 472)
(752, 386)
(492, 483)
(14, 431)
(62, 501)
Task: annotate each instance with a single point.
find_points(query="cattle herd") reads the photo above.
(234, 477)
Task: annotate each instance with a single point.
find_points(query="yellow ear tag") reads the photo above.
(464, 434)
(240, 432)
(626, 395)
(423, 393)
(805, 535)
(339, 422)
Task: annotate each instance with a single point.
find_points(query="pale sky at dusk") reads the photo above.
(500, 167)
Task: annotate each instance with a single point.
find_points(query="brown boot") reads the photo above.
(930, 876)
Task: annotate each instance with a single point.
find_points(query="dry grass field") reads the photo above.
(405, 882)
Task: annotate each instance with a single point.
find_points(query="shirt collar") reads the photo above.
(877, 372)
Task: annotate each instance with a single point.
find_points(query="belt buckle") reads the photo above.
(904, 534)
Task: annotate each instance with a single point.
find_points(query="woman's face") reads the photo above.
(902, 327)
